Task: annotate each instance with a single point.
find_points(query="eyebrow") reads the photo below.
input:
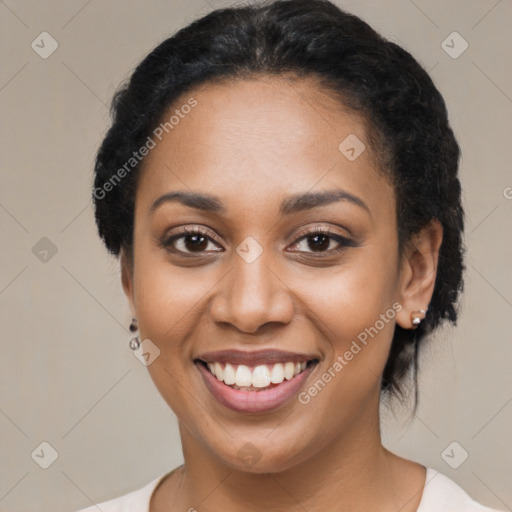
(292, 204)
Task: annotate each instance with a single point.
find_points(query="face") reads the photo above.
(290, 257)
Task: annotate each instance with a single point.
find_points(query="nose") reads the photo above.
(251, 296)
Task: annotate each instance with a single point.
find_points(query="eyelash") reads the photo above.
(344, 242)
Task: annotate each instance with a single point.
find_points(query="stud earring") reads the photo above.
(134, 342)
(417, 317)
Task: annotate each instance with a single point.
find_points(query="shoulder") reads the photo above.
(443, 495)
(135, 501)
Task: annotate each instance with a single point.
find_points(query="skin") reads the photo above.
(253, 143)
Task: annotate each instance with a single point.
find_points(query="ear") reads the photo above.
(126, 263)
(418, 272)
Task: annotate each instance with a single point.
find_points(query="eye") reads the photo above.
(190, 241)
(321, 241)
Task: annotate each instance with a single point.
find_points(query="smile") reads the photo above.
(255, 382)
(242, 377)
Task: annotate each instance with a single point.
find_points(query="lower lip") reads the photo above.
(253, 401)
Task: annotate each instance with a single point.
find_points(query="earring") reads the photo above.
(417, 317)
(134, 342)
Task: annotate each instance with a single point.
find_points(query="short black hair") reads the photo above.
(369, 74)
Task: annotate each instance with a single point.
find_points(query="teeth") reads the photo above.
(229, 374)
(260, 376)
(289, 370)
(277, 374)
(243, 376)
(219, 372)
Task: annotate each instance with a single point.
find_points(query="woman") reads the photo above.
(280, 185)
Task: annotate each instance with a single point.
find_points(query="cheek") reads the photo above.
(352, 296)
(356, 318)
(167, 300)
(167, 297)
(352, 307)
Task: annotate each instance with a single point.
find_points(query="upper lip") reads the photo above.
(256, 357)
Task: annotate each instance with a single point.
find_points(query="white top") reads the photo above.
(440, 494)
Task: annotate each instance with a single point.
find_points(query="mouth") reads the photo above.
(241, 377)
(254, 381)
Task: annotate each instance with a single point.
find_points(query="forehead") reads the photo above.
(265, 136)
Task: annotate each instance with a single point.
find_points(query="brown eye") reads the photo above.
(189, 242)
(318, 242)
(195, 242)
(321, 242)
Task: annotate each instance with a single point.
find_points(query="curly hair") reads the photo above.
(367, 73)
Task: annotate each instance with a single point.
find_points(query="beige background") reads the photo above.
(67, 374)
